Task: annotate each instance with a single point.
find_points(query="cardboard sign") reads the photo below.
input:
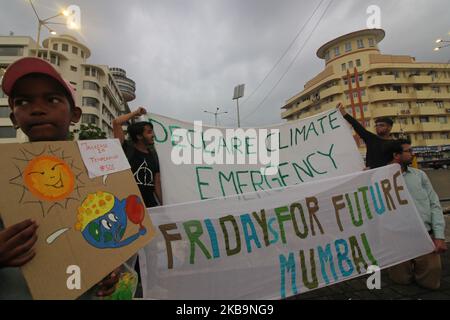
(103, 157)
(87, 227)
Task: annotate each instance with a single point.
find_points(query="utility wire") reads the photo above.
(284, 53)
(291, 64)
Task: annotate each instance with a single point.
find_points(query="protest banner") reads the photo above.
(87, 227)
(282, 242)
(211, 162)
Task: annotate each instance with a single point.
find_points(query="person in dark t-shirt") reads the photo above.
(375, 143)
(141, 155)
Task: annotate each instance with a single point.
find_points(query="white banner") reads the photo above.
(277, 243)
(310, 149)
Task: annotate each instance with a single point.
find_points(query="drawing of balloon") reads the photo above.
(135, 210)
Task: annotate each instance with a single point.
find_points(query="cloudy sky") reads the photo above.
(186, 56)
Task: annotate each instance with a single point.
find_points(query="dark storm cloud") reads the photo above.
(187, 55)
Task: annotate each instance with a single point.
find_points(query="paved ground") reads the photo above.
(357, 290)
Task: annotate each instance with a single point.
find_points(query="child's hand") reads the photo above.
(108, 285)
(16, 244)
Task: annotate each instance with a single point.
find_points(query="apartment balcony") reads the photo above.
(441, 95)
(385, 112)
(331, 91)
(388, 95)
(377, 80)
(433, 126)
(429, 142)
(428, 110)
(293, 110)
(421, 79)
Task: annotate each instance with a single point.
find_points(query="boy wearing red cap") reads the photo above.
(43, 106)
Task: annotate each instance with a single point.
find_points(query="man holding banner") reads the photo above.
(425, 270)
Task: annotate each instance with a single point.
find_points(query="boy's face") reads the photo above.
(41, 108)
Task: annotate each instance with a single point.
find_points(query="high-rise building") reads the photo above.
(101, 92)
(416, 95)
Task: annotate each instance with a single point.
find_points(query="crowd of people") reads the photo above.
(43, 106)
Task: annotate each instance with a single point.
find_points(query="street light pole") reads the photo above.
(238, 93)
(446, 44)
(45, 23)
(217, 113)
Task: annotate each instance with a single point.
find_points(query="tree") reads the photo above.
(90, 132)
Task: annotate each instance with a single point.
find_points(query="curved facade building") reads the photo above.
(126, 86)
(97, 91)
(371, 85)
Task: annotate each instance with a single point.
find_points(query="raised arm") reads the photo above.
(359, 129)
(119, 121)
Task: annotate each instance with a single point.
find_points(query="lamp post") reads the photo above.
(45, 23)
(446, 44)
(217, 113)
(238, 93)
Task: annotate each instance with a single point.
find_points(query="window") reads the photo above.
(343, 66)
(424, 119)
(65, 47)
(54, 59)
(442, 120)
(436, 89)
(82, 54)
(445, 135)
(4, 112)
(371, 42)
(90, 102)
(55, 46)
(43, 55)
(439, 104)
(327, 55)
(397, 88)
(420, 104)
(89, 119)
(358, 62)
(7, 132)
(74, 69)
(427, 135)
(360, 43)
(89, 85)
(350, 64)
(360, 78)
(87, 71)
(11, 51)
(74, 50)
(403, 120)
(337, 51)
(348, 46)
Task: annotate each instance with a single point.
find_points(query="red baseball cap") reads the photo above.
(26, 66)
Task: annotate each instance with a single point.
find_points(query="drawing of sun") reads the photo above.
(48, 179)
